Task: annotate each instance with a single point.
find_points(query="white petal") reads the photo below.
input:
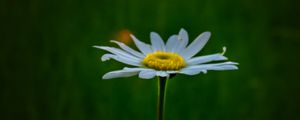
(120, 59)
(125, 72)
(184, 35)
(172, 43)
(205, 59)
(225, 67)
(120, 73)
(118, 52)
(143, 47)
(128, 49)
(106, 57)
(162, 73)
(147, 74)
(177, 43)
(157, 42)
(189, 71)
(196, 69)
(196, 45)
(183, 39)
(172, 72)
(213, 64)
(140, 69)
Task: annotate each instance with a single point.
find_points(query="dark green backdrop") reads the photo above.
(49, 71)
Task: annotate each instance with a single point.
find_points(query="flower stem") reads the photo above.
(162, 85)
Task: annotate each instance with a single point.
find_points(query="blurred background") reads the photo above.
(50, 71)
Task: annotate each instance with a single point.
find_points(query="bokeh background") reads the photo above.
(50, 71)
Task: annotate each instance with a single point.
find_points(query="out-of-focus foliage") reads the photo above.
(49, 71)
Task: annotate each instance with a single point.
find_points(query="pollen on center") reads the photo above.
(164, 61)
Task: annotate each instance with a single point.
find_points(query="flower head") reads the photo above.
(162, 59)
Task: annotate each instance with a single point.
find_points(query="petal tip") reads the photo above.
(96, 46)
(234, 68)
(104, 77)
(104, 59)
(224, 50)
(182, 30)
(232, 63)
(113, 41)
(132, 36)
(206, 33)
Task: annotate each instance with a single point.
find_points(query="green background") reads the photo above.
(49, 71)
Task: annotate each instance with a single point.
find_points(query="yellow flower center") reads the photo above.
(164, 61)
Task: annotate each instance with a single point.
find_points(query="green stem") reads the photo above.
(162, 85)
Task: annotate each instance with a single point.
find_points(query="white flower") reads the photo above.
(160, 59)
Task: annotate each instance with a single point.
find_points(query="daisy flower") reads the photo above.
(164, 59)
